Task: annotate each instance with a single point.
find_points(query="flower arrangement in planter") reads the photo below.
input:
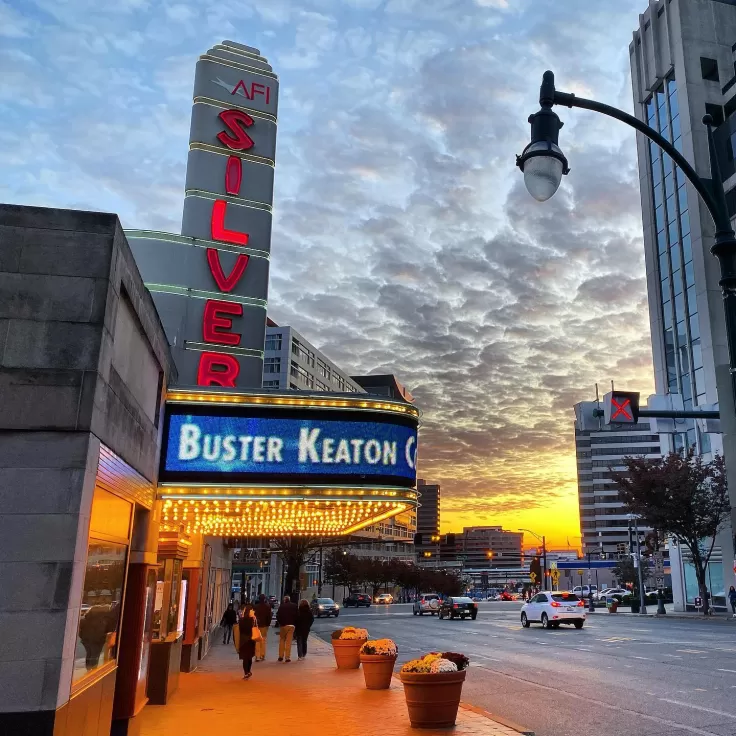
(346, 644)
(378, 658)
(433, 685)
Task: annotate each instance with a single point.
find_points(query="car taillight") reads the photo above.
(581, 603)
(475, 605)
(555, 604)
(456, 606)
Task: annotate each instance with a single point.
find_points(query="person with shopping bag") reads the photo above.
(246, 636)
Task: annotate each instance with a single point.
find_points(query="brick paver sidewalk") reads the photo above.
(309, 698)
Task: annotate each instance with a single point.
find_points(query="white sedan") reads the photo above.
(553, 609)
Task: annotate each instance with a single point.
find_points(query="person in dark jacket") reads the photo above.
(732, 599)
(246, 645)
(304, 621)
(286, 618)
(264, 614)
(229, 619)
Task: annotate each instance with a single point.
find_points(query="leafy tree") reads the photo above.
(294, 552)
(625, 572)
(682, 496)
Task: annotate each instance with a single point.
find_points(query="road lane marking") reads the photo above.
(698, 707)
(593, 701)
(722, 670)
(647, 658)
(691, 651)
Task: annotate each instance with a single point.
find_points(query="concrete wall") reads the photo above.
(68, 288)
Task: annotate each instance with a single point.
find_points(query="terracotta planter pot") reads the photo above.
(347, 653)
(433, 700)
(377, 670)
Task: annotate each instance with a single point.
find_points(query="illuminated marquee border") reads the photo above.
(232, 509)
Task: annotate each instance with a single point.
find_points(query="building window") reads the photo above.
(709, 69)
(272, 365)
(273, 342)
(301, 352)
(298, 372)
(323, 369)
(271, 384)
(321, 386)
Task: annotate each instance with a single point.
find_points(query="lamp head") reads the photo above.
(542, 161)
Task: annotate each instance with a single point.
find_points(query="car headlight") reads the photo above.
(321, 608)
(336, 606)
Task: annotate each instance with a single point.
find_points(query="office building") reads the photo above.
(600, 449)
(292, 362)
(428, 520)
(490, 547)
(384, 385)
(682, 67)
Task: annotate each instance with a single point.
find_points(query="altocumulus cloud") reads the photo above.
(404, 240)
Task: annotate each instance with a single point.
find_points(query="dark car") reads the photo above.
(458, 607)
(325, 607)
(273, 600)
(357, 600)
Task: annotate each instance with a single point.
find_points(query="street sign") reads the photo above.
(553, 565)
(660, 582)
(621, 407)
(698, 602)
(555, 574)
(658, 565)
(580, 572)
(533, 577)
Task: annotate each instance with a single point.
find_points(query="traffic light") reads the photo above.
(489, 554)
(427, 554)
(535, 566)
(621, 407)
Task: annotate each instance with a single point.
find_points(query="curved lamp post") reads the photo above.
(544, 165)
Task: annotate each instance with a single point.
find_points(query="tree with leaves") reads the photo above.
(625, 572)
(683, 496)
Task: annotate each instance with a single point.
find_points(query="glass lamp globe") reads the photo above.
(543, 172)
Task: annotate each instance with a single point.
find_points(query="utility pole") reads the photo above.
(591, 607)
(544, 560)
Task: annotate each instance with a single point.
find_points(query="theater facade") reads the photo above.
(136, 441)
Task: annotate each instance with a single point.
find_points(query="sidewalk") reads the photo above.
(310, 698)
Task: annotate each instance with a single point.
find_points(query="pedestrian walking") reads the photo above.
(245, 640)
(304, 621)
(229, 619)
(286, 619)
(732, 599)
(264, 614)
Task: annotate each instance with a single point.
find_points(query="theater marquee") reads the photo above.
(252, 464)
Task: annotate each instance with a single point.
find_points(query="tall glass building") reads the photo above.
(681, 59)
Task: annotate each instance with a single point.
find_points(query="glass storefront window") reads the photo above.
(101, 601)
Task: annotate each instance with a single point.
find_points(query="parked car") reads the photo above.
(458, 607)
(553, 609)
(384, 598)
(584, 591)
(618, 593)
(507, 595)
(426, 603)
(325, 607)
(357, 600)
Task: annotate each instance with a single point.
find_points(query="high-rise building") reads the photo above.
(428, 514)
(292, 362)
(490, 546)
(604, 523)
(682, 67)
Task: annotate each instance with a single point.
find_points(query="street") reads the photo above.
(622, 673)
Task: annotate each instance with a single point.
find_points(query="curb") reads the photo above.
(676, 616)
(497, 719)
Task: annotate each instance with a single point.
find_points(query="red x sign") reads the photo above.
(621, 409)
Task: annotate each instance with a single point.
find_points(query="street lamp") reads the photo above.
(543, 540)
(544, 165)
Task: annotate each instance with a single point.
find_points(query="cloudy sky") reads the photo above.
(404, 240)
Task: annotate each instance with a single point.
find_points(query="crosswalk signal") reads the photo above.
(621, 407)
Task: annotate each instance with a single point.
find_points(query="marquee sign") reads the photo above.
(252, 447)
(210, 284)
